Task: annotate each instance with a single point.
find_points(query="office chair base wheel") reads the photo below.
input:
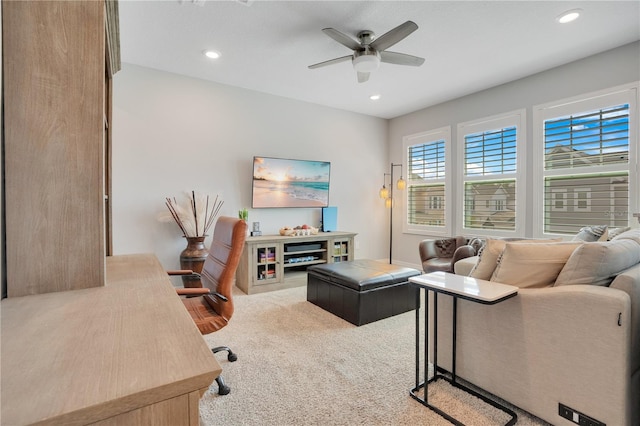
(222, 388)
(230, 356)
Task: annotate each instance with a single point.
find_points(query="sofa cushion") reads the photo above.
(528, 265)
(614, 232)
(598, 263)
(632, 234)
(592, 233)
(491, 252)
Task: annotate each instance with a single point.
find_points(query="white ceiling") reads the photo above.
(468, 45)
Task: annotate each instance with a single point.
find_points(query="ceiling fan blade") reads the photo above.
(362, 77)
(330, 62)
(390, 38)
(401, 59)
(343, 39)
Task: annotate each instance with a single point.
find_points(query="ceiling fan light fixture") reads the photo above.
(366, 63)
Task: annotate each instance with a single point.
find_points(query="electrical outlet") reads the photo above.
(577, 417)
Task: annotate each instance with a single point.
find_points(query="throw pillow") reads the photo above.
(592, 233)
(532, 265)
(599, 263)
(488, 259)
(614, 232)
(491, 252)
(477, 244)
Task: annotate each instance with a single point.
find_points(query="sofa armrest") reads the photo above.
(629, 282)
(544, 346)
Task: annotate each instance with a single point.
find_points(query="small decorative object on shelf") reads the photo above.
(194, 219)
(288, 231)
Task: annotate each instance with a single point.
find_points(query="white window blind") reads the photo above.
(489, 153)
(426, 197)
(490, 173)
(586, 157)
(427, 192)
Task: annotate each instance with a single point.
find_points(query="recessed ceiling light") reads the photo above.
(569, 16)
(374, 97)
(211, 54)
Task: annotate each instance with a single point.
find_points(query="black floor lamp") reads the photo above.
(387, 195)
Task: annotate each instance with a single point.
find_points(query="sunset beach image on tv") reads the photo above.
(280, 182)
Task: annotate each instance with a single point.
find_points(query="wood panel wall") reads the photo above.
(54, 76)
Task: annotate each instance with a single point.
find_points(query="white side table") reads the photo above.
(459, 287)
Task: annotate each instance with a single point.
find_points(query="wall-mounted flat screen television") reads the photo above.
(280, 182)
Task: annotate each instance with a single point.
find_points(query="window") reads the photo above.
(428, 193)
(585, 151)
(582, 200)
(559, 199)
(491, 169)
(435, 202)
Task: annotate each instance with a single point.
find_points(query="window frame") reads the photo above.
(624, 94)
(517, 119)
(430, 136)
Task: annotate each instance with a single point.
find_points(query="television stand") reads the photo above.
(275, 262)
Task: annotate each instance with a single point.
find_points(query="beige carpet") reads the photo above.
(300, 365)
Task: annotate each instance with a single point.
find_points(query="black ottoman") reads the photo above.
(362, 291)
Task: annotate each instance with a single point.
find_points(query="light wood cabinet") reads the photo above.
(57, 71)
(275, 262)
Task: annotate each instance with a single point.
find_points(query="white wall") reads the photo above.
(608, 69)
(173, 134)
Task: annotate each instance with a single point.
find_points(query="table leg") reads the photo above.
(454, 342)
(424, 384)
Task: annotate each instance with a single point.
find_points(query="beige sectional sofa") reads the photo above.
(574, 342)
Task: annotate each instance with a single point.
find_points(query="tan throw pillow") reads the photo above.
(491, 252)
(532, 265)
(488, 259)
(599, 263)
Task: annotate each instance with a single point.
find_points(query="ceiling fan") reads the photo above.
(369, 51)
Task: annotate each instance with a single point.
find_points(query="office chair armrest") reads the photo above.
(197, 291)
(181, 272)
(192, 291)
(219, 296)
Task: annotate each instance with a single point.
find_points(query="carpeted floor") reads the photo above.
(300, 365)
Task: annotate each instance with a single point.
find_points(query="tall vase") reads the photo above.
(193, 258)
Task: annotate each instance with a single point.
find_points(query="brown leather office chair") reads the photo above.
(442, 254)
(214, 308)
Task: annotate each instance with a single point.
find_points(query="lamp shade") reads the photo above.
(366, 62)
(402, 184)
(388, 203)
(384, 192)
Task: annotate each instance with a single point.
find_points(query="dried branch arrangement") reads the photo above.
(197, 216)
